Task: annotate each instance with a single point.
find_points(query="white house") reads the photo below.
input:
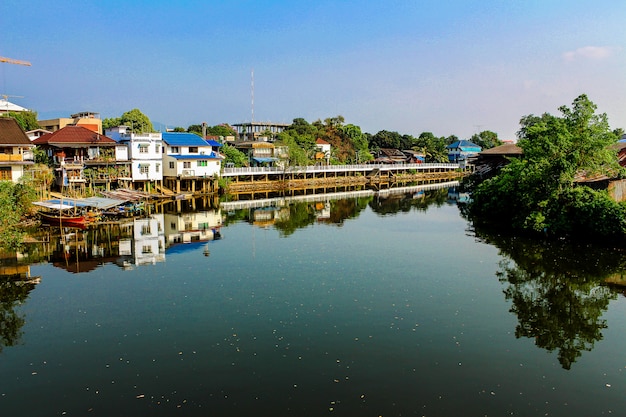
(144, 150)
(188, 155)
(323, 150)
(148, 243)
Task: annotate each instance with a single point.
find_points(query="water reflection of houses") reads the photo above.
(147, 245)
(267, 216)
(200, 226)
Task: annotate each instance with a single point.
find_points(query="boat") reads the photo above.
(63, 220)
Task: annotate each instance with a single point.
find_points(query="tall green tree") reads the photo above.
(134, 119)
(233, 156)
(486, 139)
(27, 120)
(539, 192)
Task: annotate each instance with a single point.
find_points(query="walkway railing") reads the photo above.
(229, 172)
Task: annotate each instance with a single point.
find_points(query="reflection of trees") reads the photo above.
(557, 291)
(12, 294)
(420, 201)
(304, 214)
(342, 210)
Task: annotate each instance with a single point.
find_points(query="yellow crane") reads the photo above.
(14, 61)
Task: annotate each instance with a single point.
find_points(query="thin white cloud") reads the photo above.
(589, 52)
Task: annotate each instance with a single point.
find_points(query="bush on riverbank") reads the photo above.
(15, 203)
(540, 193)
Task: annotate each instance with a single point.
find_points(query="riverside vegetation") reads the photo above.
(539, 193)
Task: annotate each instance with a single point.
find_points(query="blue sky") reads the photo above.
(448, 67)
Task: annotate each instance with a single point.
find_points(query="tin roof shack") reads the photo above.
(391, 156)
(16, 150)
(489, 162)
(615, 186)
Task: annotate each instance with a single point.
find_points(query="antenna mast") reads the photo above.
(252, 93)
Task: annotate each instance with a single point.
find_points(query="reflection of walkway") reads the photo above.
(281, 201)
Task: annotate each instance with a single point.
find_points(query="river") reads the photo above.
(380, 305)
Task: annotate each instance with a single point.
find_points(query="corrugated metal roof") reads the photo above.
(462, 144)
(102, 203)
(183, 139)
(193, 157)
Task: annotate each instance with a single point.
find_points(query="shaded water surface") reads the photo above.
(357, 307)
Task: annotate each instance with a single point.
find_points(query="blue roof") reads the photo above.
(195, 156)
(213, 142)
(463, 144)
(183, 139)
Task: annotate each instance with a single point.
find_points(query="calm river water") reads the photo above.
(371, 306)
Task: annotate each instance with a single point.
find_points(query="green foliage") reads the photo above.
(135, 119)
(233, 156)
(486, 139)
(15, 201)
(433, 147)
(41, 157)
(217, 130)
(297, 155)
(539, 193)
(27, 120)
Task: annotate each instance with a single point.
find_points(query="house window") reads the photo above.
(145, 229)
(193, 149)
(156, 148)
(186, 164)
(157, 168)
(144, 169)
(202, 163)
(175, 149)
(143, 148)
(5, 173)
(146, 249)
(171, 165)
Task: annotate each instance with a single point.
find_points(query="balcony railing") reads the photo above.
(11, 158)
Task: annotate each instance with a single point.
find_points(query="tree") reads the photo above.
(134, 119)
(433, 147)
(539, 192)
(486, 139)
(359, 142)
(234, 156)
(386, 139)
(27, 120)
(298, 156)
(15, 201)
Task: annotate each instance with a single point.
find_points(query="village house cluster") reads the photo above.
(82, 155)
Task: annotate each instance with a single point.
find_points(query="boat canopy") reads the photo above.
(101, 203)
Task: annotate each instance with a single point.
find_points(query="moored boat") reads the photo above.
(63, 219)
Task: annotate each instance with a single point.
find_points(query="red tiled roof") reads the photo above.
(321, 142)
(74, 135)
(11, 133)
